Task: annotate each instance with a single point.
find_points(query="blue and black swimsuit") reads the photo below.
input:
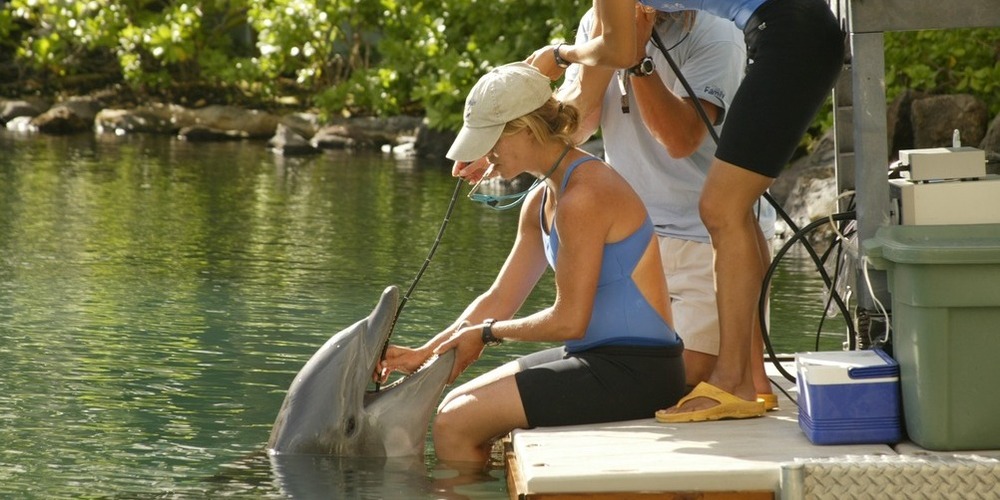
(626, 366)
(621, 314)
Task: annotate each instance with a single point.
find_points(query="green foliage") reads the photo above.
(380, 57)
(430, 53)
(948, 61)
(62, 32)
(346, 56)
(938, 62)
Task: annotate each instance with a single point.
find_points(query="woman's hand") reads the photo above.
(401, 359)
(468, 345)
(471, 171)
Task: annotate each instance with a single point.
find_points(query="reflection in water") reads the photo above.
(308, 477)
(157, 298)
(798, 302)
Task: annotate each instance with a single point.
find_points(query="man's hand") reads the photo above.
(644, 21)
(545, 60)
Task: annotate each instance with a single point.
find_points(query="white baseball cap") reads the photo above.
(505, 93)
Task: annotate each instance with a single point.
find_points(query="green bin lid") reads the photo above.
(937, 244)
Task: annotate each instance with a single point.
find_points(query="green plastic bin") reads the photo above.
(945, 286)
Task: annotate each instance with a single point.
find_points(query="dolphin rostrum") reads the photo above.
(330, 411)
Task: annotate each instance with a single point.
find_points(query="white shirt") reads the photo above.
(712, 58)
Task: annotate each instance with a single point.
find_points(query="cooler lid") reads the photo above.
(830, 367)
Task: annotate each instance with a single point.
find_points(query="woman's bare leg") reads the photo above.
(475, 414)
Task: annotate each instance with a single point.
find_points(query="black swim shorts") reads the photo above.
(603, 384)
(796, 51)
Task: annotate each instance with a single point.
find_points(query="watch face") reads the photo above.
(646, 67)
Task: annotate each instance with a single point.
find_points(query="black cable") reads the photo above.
(829, 298)
(687, 87)
(762, 304)
(430, 254)
(833, 285)
(836, 274)
(420, 273)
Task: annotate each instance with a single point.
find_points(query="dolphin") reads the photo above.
(329, 410)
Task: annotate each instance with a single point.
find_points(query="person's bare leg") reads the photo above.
(761, 384)
(725, 206)
(473, 415)
(698, 366)
(760, 381)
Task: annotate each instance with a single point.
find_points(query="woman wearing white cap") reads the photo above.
(620, 358)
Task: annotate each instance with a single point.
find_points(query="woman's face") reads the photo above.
(511, 155)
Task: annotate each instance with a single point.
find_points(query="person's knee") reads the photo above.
(447, 400)
(448, 419)
(442, 426)
(443, 430)
(714, 212)
(452, 432)
(722, 216)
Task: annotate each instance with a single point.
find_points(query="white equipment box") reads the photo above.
(945, 186)
(944, 163)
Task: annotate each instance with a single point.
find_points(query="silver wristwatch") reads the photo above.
(644, 68)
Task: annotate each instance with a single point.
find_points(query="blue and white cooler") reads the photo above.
(849, 397)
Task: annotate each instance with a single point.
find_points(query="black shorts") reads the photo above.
(604, 384)
(796, 51)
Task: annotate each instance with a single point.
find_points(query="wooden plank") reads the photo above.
(516, 489)
(514, 481)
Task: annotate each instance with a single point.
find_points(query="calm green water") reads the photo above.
(157, 297)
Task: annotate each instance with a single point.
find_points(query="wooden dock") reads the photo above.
(735, 459)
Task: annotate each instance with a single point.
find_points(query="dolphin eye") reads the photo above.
(350, 427)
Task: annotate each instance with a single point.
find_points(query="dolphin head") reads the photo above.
(329, 410)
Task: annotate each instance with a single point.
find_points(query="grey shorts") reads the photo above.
(604, 384)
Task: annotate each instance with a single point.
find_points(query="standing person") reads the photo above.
(620, 359)
(657, 141)
(796, 51)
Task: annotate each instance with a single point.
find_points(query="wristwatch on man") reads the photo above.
(488, 338)
(562, 63)
(644, 68)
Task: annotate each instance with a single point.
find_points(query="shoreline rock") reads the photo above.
(302, 133)
(404, 136)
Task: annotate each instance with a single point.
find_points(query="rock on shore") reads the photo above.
(288, 134)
